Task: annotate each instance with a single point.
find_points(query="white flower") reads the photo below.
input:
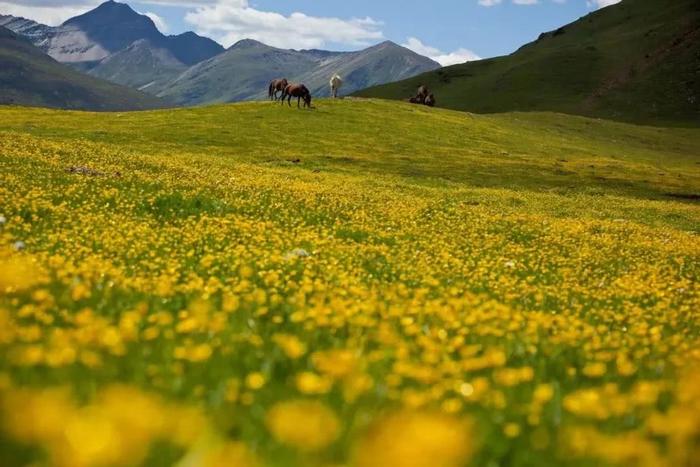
(297, 253)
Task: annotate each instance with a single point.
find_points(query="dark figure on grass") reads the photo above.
(300, 92)
(277, 86)
(423, 97)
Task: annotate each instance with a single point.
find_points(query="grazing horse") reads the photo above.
(336, 84)
(300, 92)
(423, 92)
(277, 85)
(430, 100)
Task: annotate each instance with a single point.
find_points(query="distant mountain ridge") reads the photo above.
(638, 60)
(30, 77)
(115, 43)
(240, 73)
(33, 31)
(381, 63)
(244, 71)
(141, 65)
(87, 39)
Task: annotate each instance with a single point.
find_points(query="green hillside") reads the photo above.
(30, 77)
(540, 151)
(634, 61)
(368, 283)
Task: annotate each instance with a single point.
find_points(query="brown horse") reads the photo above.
(423, 92)
(300, 92)
(277, 85)
(424, 97)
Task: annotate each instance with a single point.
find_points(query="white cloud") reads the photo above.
(232, 20)
(45, 11)
(445, 59)
(181, 3)
(225, 20)
(159, 21)
(602, 3)
(489, 2)
(525, 2)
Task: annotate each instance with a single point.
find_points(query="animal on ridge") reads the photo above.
(300, 92)
(423, 92)
(336, 83)
(277, 86)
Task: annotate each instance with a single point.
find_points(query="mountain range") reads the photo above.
(115, 43)
(638, 61)
(244, 71)
(85, 40)
(30, 77)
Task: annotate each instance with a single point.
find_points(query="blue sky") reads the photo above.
(447, 30)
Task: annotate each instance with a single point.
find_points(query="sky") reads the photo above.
(449, 31)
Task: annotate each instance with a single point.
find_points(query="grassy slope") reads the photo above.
(635, 61)
(540, 151)
(30, 77)
(561, 224)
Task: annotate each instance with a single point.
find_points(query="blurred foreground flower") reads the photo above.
(306, 425)
(117, 428)
(416, 439)
(18, 273)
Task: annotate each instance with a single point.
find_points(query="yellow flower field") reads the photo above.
(193, 304)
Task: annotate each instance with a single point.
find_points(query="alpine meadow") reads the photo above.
(362, 283)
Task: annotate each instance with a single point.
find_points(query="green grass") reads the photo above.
(555, 241)
(537, 151)
(635, 61)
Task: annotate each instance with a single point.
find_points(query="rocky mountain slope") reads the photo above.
(143, 65)
(244, 71)
(85, 40)
(115, 43)
(30, 77)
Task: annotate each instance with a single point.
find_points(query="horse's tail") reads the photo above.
(270, 89)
